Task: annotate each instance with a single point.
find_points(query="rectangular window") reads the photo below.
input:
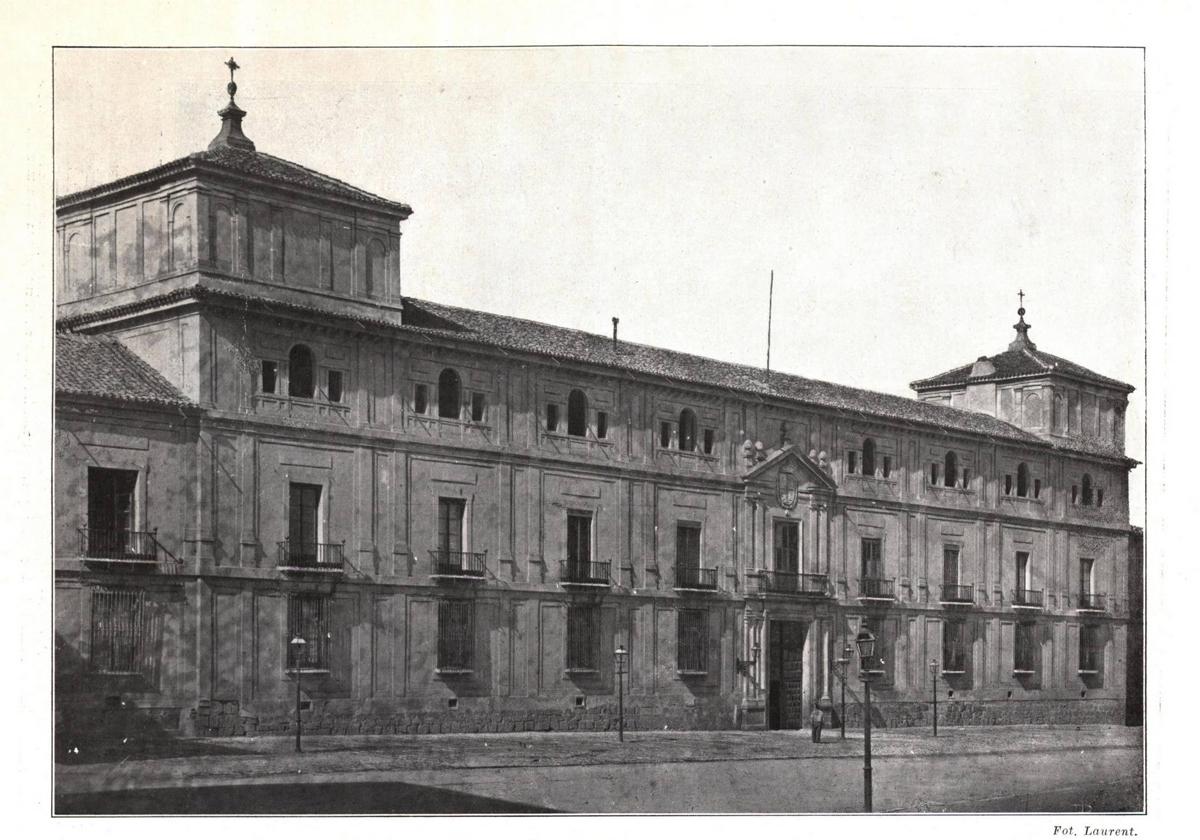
(1074, 494)
(112, 514)
(333, 385)
(1008, 485)
(118, 630)
(268, 377)
(709, 441)
(934, 473)
(1086, 566)
(304, 505)
(787, 547)
(692, 642)
(1022, 570)
(687, 546)
(420, 399)
(966, 479)
(1091, 651)
(551, 417)
(450, 529)
(583, 637)
(954, 647)
(887, 466)
(1037, 488)
(950, 565)
(456, 636)
(664, 434)
(579, 546)
(602, 425)
(852, 462)
(872, 558)
(1099, 498)
(1025, 649)
(477, 406)
(308, 619)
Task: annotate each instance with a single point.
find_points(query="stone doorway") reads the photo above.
(785, 675)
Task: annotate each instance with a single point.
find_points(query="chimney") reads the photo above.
(616, 321)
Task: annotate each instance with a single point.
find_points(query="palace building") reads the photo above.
(261, 440)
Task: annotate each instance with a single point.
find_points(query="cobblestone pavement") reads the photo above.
(266, 759)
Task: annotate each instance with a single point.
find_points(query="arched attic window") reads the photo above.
(687, 430)
(868, 457)
(1022, 480)
(577, 413)
(449, 394)
(300, 372)
(1087, 489)
(951, 471)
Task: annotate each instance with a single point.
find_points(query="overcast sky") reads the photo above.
(901, 196)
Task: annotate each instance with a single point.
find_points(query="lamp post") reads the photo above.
(620, 655)
(933, 669)
(844, 662)
(297, 644)
(865, 641)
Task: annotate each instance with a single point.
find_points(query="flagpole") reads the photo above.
(770, 306)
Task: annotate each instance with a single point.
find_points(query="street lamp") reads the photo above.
(865, 641)
(933, 672)
(297, 644)
(620, 655)
(845, 663)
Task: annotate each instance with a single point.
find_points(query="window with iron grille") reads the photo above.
(308, 619)
(583, 637)
(1025, 649)
(456, 636)
(954, 647)
(692, 650)
(118, 630)
(1091, 650)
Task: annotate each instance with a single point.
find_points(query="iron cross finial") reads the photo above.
(232, 65)
(1021, 296)
(232, 86)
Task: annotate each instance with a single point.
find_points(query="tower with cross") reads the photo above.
(230, 135)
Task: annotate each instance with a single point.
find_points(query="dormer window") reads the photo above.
(868, 457)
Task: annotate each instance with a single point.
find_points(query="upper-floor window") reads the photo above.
(852, 462)
(872, 558)
(951, 476)
(333, 385)
(935, 471)
(449, 394)
(420, 398)
(1037, 488)
(450, 526)
(887, 466)
(664, 434)
(551, 417)
(1087, 489)
(300, 372)
(602, 425)
(110, 507)
(304, 522)
(868, 457)
(577, 413)
(1022, 480)
(687, 546)
(268, 376)
(709, 439)
(1086, 567)
(687, 430)
(477, 407)
(787, 546)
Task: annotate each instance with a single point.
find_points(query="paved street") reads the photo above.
(965, 769)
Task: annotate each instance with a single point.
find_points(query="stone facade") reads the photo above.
(810, 519)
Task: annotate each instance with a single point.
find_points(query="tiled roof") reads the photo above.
(247, 163)
(1017, 364)
(101, 366)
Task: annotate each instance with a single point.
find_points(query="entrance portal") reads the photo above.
(785, 697)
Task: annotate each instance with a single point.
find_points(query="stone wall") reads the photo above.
(986, 713)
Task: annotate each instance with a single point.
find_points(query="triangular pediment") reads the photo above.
(791, 462)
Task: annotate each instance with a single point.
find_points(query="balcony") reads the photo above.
(958, 593)
(317, 558)
(792, 583)
(1027, 599)
(695, 578)
(1092, 602)
(584, 573)
(876, 589)
(469, 565)
(115, 547)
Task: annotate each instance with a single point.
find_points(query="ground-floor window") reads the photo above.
(883, 666)
(954, 647)
(1025, 649)
(118, 630)
(1091, 650)
(308, 619)
(456, 636)
(583, 637)
(692, 650)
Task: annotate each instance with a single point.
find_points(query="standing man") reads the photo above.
(817, 721)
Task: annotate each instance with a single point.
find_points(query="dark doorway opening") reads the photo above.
(785, 696)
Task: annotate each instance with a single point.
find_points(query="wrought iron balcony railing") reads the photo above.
(693, 577)
(1027, 598)
(118, 546)
(471, 564)
(880, 588)
(1093, 601)
(792, 583)
(585, 572)
(958, 593)
(311, 557)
